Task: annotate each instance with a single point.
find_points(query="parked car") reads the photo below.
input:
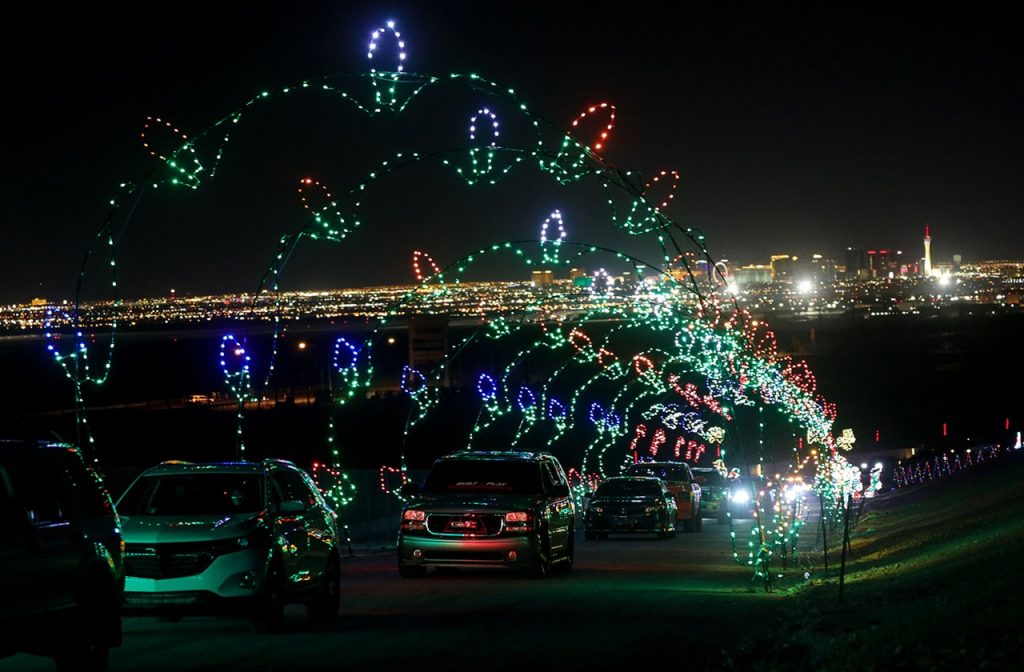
(680, 481)
(631, 504)
(61, 557)
(210, 537)
(714, 493)
(489, 509)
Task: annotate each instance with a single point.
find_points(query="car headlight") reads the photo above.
(740, 496)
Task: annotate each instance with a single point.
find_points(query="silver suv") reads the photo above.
(199, 537)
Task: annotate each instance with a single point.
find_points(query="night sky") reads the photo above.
(796, 130)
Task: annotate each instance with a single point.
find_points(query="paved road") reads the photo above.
(627, 597)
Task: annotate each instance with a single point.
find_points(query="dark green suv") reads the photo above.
(489, 509)
(61, 557)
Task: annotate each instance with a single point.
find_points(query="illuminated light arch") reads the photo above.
(706, 347)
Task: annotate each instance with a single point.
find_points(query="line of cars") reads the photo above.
(515, 510)
(250, 538)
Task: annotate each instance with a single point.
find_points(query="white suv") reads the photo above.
(200, 537)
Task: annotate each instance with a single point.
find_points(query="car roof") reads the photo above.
(26, 445)
(176, 467)
(653, 479)
(496, 455)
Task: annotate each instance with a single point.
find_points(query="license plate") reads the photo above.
(463, 525)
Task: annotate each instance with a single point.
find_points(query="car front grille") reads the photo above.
(164, 561)
(482, 524)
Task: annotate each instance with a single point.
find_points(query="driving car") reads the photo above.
(489, 509)
(680, 481)
(742, 496)
(61, 557)
(714, 493)
(244, 535)
(631, 504)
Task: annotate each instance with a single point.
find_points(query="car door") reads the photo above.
(289, 531)
(558, 505)
(319, 524)
(41, 488)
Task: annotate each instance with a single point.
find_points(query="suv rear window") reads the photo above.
(712, 477)
(627, 488)
(665, 472)
(483, 476)
(193, 495)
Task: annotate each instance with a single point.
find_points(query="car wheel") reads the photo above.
(324, 609)
(688, 525)
(590, 536)
(542, 566)
(411, 571)
(699, 521)
(88, 647)
(269, 616)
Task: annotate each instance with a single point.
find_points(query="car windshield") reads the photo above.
(709, 477)
(666, 472)
(193, 494)
(628, 488)
(483, 476)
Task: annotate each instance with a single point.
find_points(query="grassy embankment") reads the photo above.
(935, 582)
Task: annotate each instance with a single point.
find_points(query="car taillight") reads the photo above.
(414, 519)
(518, 521)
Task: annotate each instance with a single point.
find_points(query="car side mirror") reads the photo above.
(409, 489)
(292, 506)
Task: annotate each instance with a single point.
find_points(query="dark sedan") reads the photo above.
(631, 504)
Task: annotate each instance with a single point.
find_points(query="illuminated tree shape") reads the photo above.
(328, 221)
(550, 247)
(412, 381)
(577, 158)
(417, 266)
(604, 134)
(385, 82)
(526, 400)
(602, 283)
(235, 363)
(385, 474)
(181, 159)
(335, 484)
(399, 44)
(493, 118)
(345, 362)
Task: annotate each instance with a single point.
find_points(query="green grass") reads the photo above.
(935, 581)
